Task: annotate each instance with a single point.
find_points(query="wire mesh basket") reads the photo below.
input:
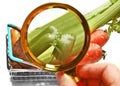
(29, 76)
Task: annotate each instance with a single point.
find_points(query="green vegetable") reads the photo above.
(67, 42)
(113, 1)
(114, 26)
(40, 41)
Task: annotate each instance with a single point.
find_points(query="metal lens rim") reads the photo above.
(25, 44)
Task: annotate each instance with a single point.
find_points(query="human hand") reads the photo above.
(100, 74)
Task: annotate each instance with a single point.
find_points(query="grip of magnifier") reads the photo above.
(78, 80)
(9, 47)
(72, 73)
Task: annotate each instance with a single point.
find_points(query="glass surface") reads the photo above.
(57, 43)
(55, 36)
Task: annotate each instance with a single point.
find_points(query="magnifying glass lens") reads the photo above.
(57, 35)
(55, 43)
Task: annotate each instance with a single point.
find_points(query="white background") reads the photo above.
(15, 11)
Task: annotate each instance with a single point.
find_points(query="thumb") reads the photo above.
(64, 79)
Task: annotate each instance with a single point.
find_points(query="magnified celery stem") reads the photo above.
(42, 38)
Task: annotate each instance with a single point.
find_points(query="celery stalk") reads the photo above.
(67, 42)
(98, 10)
(96, 18)
(104, 17)
(43, 39)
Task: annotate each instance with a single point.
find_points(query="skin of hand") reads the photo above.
(95, 74)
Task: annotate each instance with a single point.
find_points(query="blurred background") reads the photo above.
(15, 11)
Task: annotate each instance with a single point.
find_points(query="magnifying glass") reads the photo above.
(55, 37)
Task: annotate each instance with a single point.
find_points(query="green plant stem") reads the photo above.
(101, 19)
(96, 18)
